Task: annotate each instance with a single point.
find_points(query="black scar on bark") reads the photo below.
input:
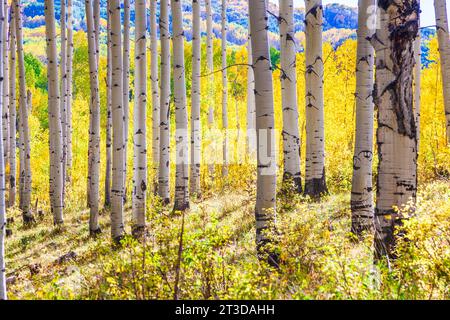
(317, 187)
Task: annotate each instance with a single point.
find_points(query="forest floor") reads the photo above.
(320, 258)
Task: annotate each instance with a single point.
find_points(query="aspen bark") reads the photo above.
(265, 212)
(195, 101)
(2, 164)
(154, 77)
(440, 8)
(12, 111)
(251, 118)
(396, 133)
(63, 90)
(210, 60)
(108, 146)
(94, 133)
(5, 66)
(25, 196)
(96, 18)
(181, 118)
(69, 85)
(315, 184)
(117, 189)
(164, 154)
(417, 83)
(126, 88)
(224, 90)
(140, 117)
(291, 140)
(362, 197)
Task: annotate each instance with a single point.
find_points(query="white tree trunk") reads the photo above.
(25, 197)
(362, 196)
(266, 176)
(108, 117)
(315, 184)
(440, 8)
(251, 118)
(181, 118)
(210, 60)
(69, 84)
(417, 83)
(12, 111)
(118, 123)
(224, 90)
(2, 164)
(126, 88)
(63, 91)
(291, 140)
(164, 154)
(94, 133)
(396, 133)
(5, 66)
(154, 77)
(195, 100)
(96, 18)
(140, 117)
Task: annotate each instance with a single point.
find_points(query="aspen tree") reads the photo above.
(362, 196)
(291, 140)
(108, 145)
(315, 184)
(63, 90)
(12, 110)
(154, 78)
(96, 18)
(25, 196)
(5, 66)
(164, 154)
(69, 85)
(265, 212)
(94, 133)
(140, 117)
(118, 147)
(181, 118)
(224, 89)
(440, 8)
(417, 82)
(251, 119)
(2, 165)
(126, 88)
(396, 133)
(195, 101)
(210, 60)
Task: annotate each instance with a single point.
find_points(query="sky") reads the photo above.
(427, 16)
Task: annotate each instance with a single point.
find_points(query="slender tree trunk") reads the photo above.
(94, 134)
(108, 117)
(69, 86)
(140, 117)
(118, 123)
(396, 133)
(12, 111)
(63, 91)
(181, 118)
(362, 196)
(251, 118)
(291, 140)
(417, 83)
(315, 184)
(224, 89)
(96, 18)
(440, 8)
(54, 117)
(2, 164)
(266, 176)
(164, 154)
(126, 88)
(210, 60)
(5, 66)
(196, 142)
(154, 77)
(25, 197)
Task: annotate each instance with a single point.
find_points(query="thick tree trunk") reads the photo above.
(63, 91)
(251, 118)
(118, 123)
(291, 140)
(69, 86)
(154, 77)
(181, 118)
(440, 8)
(94, 133)
(2, 164)
(164, 154)
(396, 133)
(12, 111)
(108, 117)
(362, 196)
(196, 133)
(266, 176)
(210, 60)
(140, 117)
(5, 66)
(315, 184)
(224, 90)
(126, 88)
(25, 196)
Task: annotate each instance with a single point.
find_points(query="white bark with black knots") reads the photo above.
(126, 88)
(251, 118)
(224, 90)
(12, 111)
(154, 78)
